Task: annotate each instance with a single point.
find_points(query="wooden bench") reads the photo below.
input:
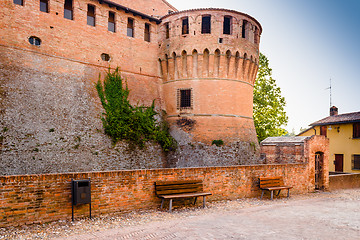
(180, 189)
(273, 184)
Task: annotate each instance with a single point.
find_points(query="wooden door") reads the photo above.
(339, 162)
(318, 170)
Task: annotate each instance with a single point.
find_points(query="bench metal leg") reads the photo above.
(262, 194)
(288, 195)
(204, 201)
(278, 193)
(272, 194)
(162, 203)
(195, 200)
(170, 205)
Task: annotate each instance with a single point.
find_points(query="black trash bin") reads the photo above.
(80, 193)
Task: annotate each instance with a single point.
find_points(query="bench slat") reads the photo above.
(175, 191)
(178, 186)
(159, 183)
(185, 195)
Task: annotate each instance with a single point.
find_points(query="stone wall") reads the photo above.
(50, 118)
(26, 199)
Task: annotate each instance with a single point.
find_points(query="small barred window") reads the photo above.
(184, 98)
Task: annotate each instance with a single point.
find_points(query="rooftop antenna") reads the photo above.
(330, 93)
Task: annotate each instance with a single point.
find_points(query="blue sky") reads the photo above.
(307, 43)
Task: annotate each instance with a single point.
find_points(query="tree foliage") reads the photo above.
(269, 113)
(122, 121)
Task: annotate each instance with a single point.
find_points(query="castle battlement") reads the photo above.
(198, 65)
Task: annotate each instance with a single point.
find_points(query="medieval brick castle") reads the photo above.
(199, 65)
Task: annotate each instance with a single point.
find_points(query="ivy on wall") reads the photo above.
(122, 121)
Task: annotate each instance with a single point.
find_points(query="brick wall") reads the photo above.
(26, 199)
(299, 150)
(344, 181)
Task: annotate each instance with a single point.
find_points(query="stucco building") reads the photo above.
(198, 65)
(343, 131)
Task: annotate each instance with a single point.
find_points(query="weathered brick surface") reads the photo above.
(51, 86)
(222, 89)
(344, 181)
(26, 199)
(300, 152)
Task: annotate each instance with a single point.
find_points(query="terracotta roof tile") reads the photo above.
(339, 119)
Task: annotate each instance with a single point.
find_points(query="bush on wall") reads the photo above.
(122, 121)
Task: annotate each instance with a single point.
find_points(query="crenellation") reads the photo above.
(218, 68)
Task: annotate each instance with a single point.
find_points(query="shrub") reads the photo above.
(122, 121)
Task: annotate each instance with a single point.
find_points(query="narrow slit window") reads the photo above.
(44, 6)
(147, 32)
(185, 25)
(256, 35)
(167, 30)
(19, 2)
(244, 26)
(130, 27)
(111, 22)
(68, 9)
(227, 25)
(91, 15)
(206, 24)
(184, 99)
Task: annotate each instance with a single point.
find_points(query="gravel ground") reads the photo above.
(66, 228)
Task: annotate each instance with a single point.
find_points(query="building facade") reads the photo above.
(343, 131)
(198, 65)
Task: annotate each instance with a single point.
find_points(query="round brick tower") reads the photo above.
(209, 60)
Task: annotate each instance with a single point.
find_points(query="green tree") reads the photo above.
(269, 113)
(122, 121)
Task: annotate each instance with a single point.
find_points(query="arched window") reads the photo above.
(228, 59)
(195, 63)
(175, 66)
(161, 69)
(206, 62)
(217, 62)
(184, 63)
(237, 59)
(167, 65)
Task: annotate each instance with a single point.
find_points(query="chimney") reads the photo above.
(333, 111)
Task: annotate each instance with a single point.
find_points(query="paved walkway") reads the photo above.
(326, 217)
